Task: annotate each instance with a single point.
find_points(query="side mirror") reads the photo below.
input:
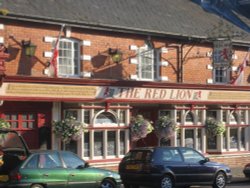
(86, 165)
(205, 160)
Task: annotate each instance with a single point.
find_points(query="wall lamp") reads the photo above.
(116, 55)
(29, 48)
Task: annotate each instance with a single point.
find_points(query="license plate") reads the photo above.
(4, 178)
(133, 167)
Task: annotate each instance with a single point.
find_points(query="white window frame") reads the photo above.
(146, 51)
(224, 76)
(74, 61)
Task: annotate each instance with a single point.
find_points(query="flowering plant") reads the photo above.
(140, 127)
(68, 128)
(165, 127)
(4, 124)
(214, 127)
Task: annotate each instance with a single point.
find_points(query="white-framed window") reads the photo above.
(69, 58)
(234, 139)
(221, 74)
(148, 66)
(190, 117)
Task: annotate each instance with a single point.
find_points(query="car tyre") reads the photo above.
(167, 182)
(36, 186)
(220, 180)
(107, 184)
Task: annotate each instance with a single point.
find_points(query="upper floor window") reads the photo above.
(147, 68)
(68, 60)
(221, 74)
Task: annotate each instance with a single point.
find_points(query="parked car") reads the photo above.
(167, 167)
(45, 169)
(13, 151)
(246, 170)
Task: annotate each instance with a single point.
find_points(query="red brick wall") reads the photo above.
(195, 60)
(238, 160)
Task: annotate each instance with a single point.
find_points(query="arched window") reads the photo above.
(105, 118)
(189, 117)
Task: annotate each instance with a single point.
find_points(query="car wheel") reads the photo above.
(107, 184)
(167, 182)
(36, 186)
(220, 180)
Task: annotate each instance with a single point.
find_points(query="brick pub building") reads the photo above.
(118, 59)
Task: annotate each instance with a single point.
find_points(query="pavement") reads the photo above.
(238, 175)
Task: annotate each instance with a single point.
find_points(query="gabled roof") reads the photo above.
(183, 18)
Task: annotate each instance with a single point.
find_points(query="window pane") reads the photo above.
(211, 142)
(199, 140)
(165, 113)
(87, 116)
(111, 142)
(86, 145)
(24, 124)
(189, 117)
(105, 117)
(122, 116)
(98, 143)
(233, 138)
(122, 142)
(189, 138)
(242, 138)
(178, 116)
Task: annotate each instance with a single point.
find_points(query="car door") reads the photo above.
(79, 176)
(196, 171)
(52, 171)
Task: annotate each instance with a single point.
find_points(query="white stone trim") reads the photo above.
(133, 77)
(85, 57)
(86, 43)
(164, 50)
(86, 74)
(133, 61)
(133, 47)
(47, 54)
(209, 67)
(1, 26)
(234, 57)
(1, 40)
(68, 32)
(49, 39)
(210, 81)
(164, 63)
(163, 78)
(234, 68)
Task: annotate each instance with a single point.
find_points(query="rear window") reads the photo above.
(10, 140)
(138, 155)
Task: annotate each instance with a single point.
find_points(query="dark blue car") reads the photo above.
(167, 167)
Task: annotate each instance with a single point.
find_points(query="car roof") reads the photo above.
(157, 147)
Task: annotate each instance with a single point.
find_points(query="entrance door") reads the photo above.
(151, 114)
(31, 122)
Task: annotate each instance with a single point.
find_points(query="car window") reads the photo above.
(32, 162)
(71, 160)
(138, 155)
(49, 160)
(191, 155)
(167, 154)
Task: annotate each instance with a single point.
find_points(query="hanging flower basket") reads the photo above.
(165, 127)
(140, 128)
(68, 129)
(214, 127)
(4, 124)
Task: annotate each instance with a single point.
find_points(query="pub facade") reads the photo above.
(104, 76)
